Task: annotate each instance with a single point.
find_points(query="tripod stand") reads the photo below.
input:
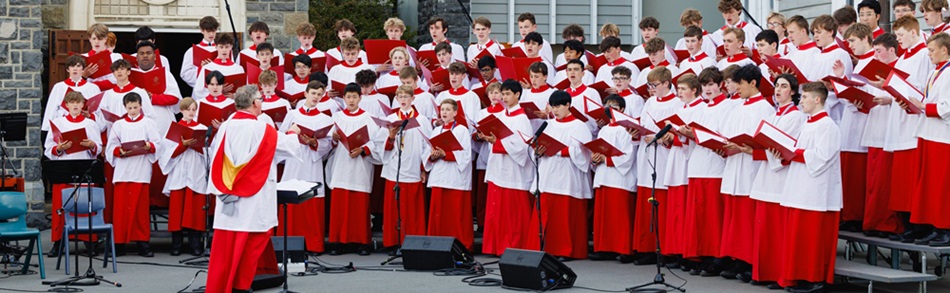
(658, 279)
(537, 193)
(90, 278)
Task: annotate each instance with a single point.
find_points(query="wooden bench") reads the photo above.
(873, 274)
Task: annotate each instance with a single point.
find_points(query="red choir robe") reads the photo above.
(482, 151)
(450, 207)
(615, 181)
(812, 196)
(655, 109)
(676, 179)
(131, 177)
(351, 179)
(65, 124)
(877, 213)
(509, 201)
(410, 218)
(901, 127)
(929, 203)
(186, 184)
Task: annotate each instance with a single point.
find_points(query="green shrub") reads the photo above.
(367, 15)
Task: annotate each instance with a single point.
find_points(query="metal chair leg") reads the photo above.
(39, 253)
(112, 244)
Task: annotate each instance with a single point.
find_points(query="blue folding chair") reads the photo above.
(81, 211)
(13, 209)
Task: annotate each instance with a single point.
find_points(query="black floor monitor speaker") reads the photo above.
(429, 253)
(535, 270)
(296, 248)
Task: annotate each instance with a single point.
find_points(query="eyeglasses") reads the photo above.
(616, 79)
(774, 24)
(903, 10)
(653, 85)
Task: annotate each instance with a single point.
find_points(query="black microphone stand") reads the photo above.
(206, 234)
(537, 195)
(396, 191)
(90, 278)
(655, 227)
(237, 42)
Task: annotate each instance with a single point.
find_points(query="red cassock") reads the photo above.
(507, 220)
(239, 252)
(929, 201)
(130, 217)
(412, 211)
(349, 216)
(185, 210)
(813, 257)
(613, 220)
(376, 197)
(307, 220)
(878, 215)
(156, 197)
(450, 214)
(905, 170)
(853, 174)
(109, 189)
(56, 228)
(704, 218)
(480, 190)
(738, 227)
(675, 220)
(644, 240)
(769, 241)
(564, 220)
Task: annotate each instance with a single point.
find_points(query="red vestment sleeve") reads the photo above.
(759, 155)
(565, 152)
(366, 152)
(116, 152)
(498, 148)
(610, 162)
(164, 100)
(151, 148)
(799, 156)
(931, 110)
(178, 150)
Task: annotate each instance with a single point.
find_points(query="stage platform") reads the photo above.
(370, 277)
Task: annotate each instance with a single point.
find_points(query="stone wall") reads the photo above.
(459, 25)
(282, 17)
(21, 63)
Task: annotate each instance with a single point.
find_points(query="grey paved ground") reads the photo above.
(600, 275)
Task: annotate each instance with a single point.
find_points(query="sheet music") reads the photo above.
(300, 187)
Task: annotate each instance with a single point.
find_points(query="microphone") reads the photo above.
(660, 134)
(403, 125)
(538, 133)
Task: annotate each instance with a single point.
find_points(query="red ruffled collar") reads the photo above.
(193, 123)
(458, 92)
(702, 55)
(666, 98)
(357, 64)
(829, 48)
(910, 53)
(308, 52)
(736, 58)
(77, 119)
(664, 63)
(540, 89)
(566, 119)
(817, 117)
(753, 99)
(71, 83)
(576, 91)
(271, 99)
(354, 114)
(224, 62)
(217, 99)
(123, 89)
(130, 119)
(807, 46)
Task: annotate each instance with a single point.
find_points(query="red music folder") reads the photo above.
(629, 122)
(771, 137)
(713, 141)
(236, 80)
(104, 60)
(601, 88)
(767, 89)
(177, 131)
(903, 91)
(515, 68)
(876, 68)
(338, 87)
(843, 81)
(745, 139)
(642, 63)
(529, 110)
(594, 109)
(459, 115)
(316, 63)
(208, 112)
(681, 74)
(695, 125)
(109, 116)
(292, 98)
(446, 141)
(493, 125)
(202, 53)
(377, 51)
(513, 52)
(596, 62)
(854, 95)
(317, 133)
(134, 148)
(578, 114)
(563, 84)
(76, 136)
(777, 65)
(92, 103)
(429, 56)
(439, 76)
(642, 90)
(482, 96)
(601, 146)
(131, 59)
(385, 108)
(681, 55)
(274, 62)
(389, 91)
(552, 146)
(672, 119)
(277, 113)
(254, 73)
(756, 57)
(152, 81)
(355, 140)
(385, 123)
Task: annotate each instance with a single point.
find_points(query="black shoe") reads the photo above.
(672, 265)
(695, 272)
(894, 237)
(334, 252)
(626, 258)
(194, 240)
(852, 226)
(759, 283)
(941, 241)
(711, 271)
(729, 274)
(926, 239)
(145, 250)
(744, 277)
(774, 286)
(909, 236)
(177, 239)
(119, 249)
(364, 251)
(57, 247)
(564, 259)
(872, 233)
(645, 259)
(602, 255)
(807, 287)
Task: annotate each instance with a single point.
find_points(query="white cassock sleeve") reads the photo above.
(580, 156)
(825, 151)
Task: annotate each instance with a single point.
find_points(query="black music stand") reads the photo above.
(12, 128)
(288, 197)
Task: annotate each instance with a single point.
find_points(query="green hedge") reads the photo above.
(367, 15)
